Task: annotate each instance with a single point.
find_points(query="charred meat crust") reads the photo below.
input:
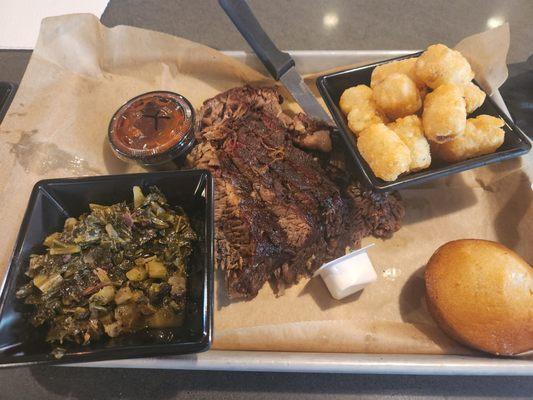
(280, 212)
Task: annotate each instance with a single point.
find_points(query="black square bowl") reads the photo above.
(332, 86)
(54, 200)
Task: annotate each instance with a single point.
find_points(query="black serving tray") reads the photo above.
(54, 200)
(331, 87)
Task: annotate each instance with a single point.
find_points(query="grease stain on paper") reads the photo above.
(17, 114)
(42, 158)
(391, 274)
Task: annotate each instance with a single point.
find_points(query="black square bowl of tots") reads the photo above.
(331, 87)
(51, 203)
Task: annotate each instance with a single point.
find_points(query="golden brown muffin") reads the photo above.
(481, 294)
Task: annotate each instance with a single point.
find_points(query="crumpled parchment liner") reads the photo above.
(81, 72)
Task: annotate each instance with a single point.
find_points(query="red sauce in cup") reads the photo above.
(152, 128)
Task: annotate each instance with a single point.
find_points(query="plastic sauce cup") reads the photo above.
(154, 129)
(348, 274)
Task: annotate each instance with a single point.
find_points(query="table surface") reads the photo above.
(297, 25)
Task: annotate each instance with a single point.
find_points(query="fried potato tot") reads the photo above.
(364, 115)
(360, 108)
(410, 131)
(444, 115)
(483, 135)
(439, 65)
(474, 97)
(397, 96)
(406, 67)
(353, 97)
(384, 152)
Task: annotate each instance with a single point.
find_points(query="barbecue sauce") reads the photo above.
(150, 125)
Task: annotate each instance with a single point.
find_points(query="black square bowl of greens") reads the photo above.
(103, 271)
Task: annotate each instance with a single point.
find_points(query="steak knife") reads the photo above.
(278, 63)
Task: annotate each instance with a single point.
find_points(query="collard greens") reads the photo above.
(113, 271)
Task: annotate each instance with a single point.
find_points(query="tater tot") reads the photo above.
(406, 67)
(354, 96)
(364, 115)
(444, 115)
(360, 108)
(439, 65)
(483, 135)
(410, 131)
(474, 97)
(384, 152)
(397, 96)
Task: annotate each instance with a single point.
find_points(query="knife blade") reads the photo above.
(279, 64)
(303, 95)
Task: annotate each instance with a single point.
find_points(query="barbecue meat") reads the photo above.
(280, 211)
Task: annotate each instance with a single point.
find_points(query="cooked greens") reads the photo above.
(113, 271)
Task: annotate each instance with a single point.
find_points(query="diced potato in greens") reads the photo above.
(113, 329)
(118, 269)
(103, 296)
(177, 283)
(123, 295)
(137, 295)
(137, 274)
(129, 316)
(156, 269)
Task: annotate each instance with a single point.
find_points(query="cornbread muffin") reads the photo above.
(481, 293)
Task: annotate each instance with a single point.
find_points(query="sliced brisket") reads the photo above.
(280, 211)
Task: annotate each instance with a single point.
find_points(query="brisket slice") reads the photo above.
(280, 211)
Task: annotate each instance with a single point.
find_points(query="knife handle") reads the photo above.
(275, 61)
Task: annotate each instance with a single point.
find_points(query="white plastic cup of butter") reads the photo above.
(348, 274)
